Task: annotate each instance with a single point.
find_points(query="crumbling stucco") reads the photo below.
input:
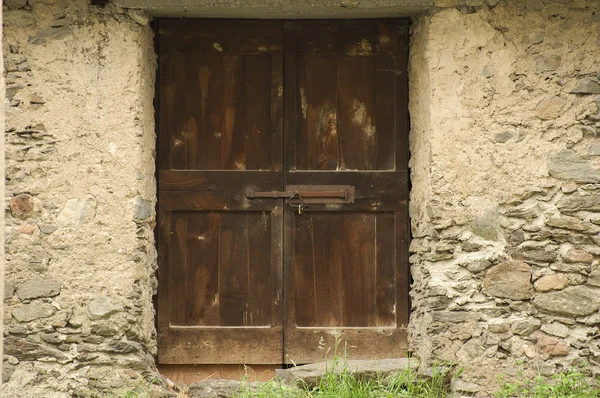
(504, 202)
(80, 199)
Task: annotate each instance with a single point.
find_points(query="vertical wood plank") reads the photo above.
(328, 269)
(167, 90)
(401, 112)
(385, 78)
(290, 98)
(386, 269)
(178, 262)
(356, 110)
(302, 139)
(304, 275)
(178, 141)
(276, 270)
(259, 261)
(359, 273)
(194, 132)
(277, 93)
(204, 103)
(233, 272)
(318, 97)
(202, 273)
(233, 155)
(164, 250)
(257, 98)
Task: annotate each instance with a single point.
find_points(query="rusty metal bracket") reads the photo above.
(310, 193)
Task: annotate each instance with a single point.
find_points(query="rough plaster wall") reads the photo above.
(2, 175)
(80, 198)
(504, 111)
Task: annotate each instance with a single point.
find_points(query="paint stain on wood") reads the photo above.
(362, 120)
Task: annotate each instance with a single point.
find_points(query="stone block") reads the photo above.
(576, 301)
(552, 346)
(551, 282)
(454, 316)
(25, 350)
(38, 287)
(587, 85)
(50, 34)
(29, 312)
(578, 256)
(510, 279)
(9, 289)
(14, 4)
(310, 375)
(101, 308)
(567, 222)
(524, 327)
(550, 108)
(486, 225)
(556, 329)
(578, 202)
(143, 209)
(568, 165)
(78, 211)
(594, 278)
(21, 206)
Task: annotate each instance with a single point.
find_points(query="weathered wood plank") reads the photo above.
(259, 242)
(202, 273)
(216, 36)
(328, 269)
(358, 135)
(257, 112)
(359, 269)
(233, 270)
(385, 274)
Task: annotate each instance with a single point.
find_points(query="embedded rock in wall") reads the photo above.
(568, 165)
(29, 312)
(102, 307)
(552, 346)
(550, 108)
(590, 201)
(576, 301)
(551, 282)
(78, 211)
(21, 206)
(38, 287)
(510, 279)
(587, 85)
(594, 278)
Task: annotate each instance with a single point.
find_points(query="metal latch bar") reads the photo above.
(309, 193)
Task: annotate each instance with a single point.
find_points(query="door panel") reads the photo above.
(340, 257)
(346, 264)
(220, 136)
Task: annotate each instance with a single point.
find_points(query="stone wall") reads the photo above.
(80, 199)
(505, 205)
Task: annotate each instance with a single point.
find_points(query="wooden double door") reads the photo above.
(286, 108)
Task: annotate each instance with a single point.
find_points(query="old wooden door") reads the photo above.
(346, 265)
(244, 279)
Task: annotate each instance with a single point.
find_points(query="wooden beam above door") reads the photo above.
(279, 8)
